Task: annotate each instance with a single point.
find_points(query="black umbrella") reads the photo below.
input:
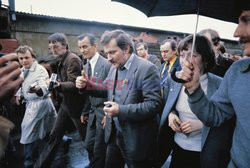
(226, 10)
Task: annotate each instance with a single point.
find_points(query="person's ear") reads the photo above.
(95, 45)
(174, 52)
(127, 49)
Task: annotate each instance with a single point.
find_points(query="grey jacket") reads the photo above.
(138, 108)
(101, 71)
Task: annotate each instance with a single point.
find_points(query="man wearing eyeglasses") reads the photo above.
(169, 56)
(223, 61)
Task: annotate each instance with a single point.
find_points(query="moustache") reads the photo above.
(245, 40)
(110, 60)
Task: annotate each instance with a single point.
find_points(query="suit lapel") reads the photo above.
(174, 91)
(110, 79)
(129, 79)
(98, 70)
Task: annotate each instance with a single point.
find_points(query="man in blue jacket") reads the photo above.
(232, 97)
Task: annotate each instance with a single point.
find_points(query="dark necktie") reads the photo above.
(25, 73)
(115, 119)
(115, 83)
(165, 68)
(164, 73)
(89, 70)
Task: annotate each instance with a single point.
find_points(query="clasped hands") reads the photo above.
(185, 127)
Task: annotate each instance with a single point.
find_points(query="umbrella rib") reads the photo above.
(149, 13)
(195, 30)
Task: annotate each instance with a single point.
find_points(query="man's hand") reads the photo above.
(34, 89)
(111, 109)
(191, 73)
(9, 76)
(174, 122)
(104, 120)
(81, 82)
(84, 119)
(18, 99)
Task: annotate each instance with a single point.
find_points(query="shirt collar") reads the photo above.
(128, 63)
(203, 77)
(246, 65)
(94, 59)
(172, 60)
(32, 67)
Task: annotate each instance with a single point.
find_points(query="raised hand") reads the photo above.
(191, 74)
(81, 81)
(9, 76)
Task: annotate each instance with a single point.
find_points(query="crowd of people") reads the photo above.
(124, 103)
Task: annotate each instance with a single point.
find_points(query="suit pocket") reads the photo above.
(134, 96)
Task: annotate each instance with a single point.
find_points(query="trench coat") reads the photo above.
(40, 113)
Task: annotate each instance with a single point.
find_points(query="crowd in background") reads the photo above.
(130, 107)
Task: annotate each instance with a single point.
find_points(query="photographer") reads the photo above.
(40, 113)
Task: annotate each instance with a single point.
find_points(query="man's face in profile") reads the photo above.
(243, 31)
(166, 52)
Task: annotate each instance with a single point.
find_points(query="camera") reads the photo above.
(52, 81)
(32, 86)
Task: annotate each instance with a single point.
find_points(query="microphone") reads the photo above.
(52, 81)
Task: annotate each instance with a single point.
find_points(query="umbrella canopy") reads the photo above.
(226, 10)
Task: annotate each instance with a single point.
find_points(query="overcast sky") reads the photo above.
(113, 12)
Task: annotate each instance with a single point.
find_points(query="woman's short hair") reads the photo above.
(24, 48)
(202, 47)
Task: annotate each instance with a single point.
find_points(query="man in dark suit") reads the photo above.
(169, 56)
(69, 66)
(132, 88)
(142, 51)
(97, 69)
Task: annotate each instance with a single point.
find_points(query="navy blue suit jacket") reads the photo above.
(165, 74)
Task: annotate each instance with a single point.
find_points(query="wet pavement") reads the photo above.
(71, 153)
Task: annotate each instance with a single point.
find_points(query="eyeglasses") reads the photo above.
(216, 41)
